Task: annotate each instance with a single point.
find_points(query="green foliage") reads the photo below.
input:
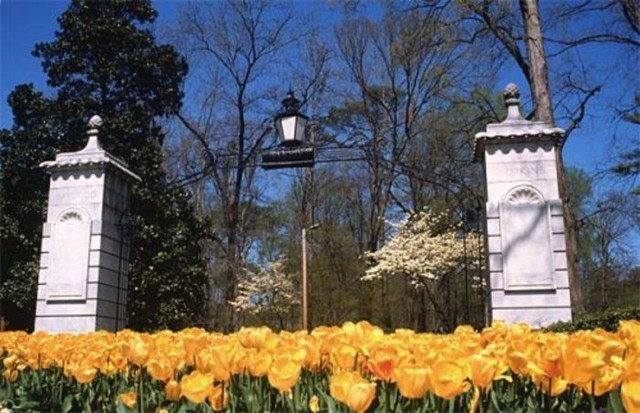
(34, 138)
(104, 61)
(607, 320)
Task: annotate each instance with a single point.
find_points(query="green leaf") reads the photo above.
(494, 401)
(614, 404)
(329, 402)
(67, 404)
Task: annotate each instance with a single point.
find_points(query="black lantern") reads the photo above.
(291, 123)
(291, 153)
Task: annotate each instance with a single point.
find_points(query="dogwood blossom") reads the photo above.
(423, 248)
(270, 289)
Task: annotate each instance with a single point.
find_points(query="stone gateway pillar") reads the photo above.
(525, 231)
(85, 248)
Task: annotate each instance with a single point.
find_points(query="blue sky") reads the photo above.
(25, 23)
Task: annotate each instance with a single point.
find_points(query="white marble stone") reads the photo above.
(83, 281)
(69, 256)
(534, 317)
(525, 228)
(493, 227)
(527, 299)
(526, 241)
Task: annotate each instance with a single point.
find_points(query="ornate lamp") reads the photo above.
(292, 153)
(291, 123)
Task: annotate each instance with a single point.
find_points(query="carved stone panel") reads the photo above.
(69, 257)
(526, 241)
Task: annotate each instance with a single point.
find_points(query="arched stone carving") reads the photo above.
(71, 217)
(526, 240)
(69, 256)
(524, 194)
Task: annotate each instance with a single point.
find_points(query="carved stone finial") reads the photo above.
(94, 124)
(512, 91)
(512, 102)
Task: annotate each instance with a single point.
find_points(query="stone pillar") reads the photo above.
(85, 248)
(525, 231)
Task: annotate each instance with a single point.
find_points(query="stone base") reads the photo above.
(535, 317)
(74, 324)
(536, 308)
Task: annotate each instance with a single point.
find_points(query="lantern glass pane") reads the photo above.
(288, 125)
(300, 126)
(279, 128)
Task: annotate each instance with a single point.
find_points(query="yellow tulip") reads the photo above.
(118, 361)
(383, 361)
(129, 399)
(283, 373)
(340, 383)
(546, 368)
(172, 390)
(196, 386)
(629, 332)
(350, 388)
(193, 340)
(160, 369)
(84, 372)
(496, 332)
(237, 357)
(140, 349)
(553, 386)
(254, 337)
(521, 350)
(448, 378)
(519, 331)
(413, 382)
(608, 343)
(218, 398)
(221, 358)
(10, 362)
(260, 363)
(582, 361)
(312, 357)
(361, 395)
(609, 379)
(314, 405)
(630, 394)
(11, 375)
(344, 357)
(550, 360)
(483, 370)
(630, 391)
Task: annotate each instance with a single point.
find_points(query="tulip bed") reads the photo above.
(356, 367)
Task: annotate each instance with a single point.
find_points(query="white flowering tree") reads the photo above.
(425, 249)
(422, 248)
(268, 293)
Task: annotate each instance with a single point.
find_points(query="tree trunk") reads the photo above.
(422, 310)
(539, 82)
(537, 61)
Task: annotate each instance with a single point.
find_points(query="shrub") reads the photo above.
(607, 320)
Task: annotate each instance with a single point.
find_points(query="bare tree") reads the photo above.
(610, 228)
(234, 48)
(404, 72)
